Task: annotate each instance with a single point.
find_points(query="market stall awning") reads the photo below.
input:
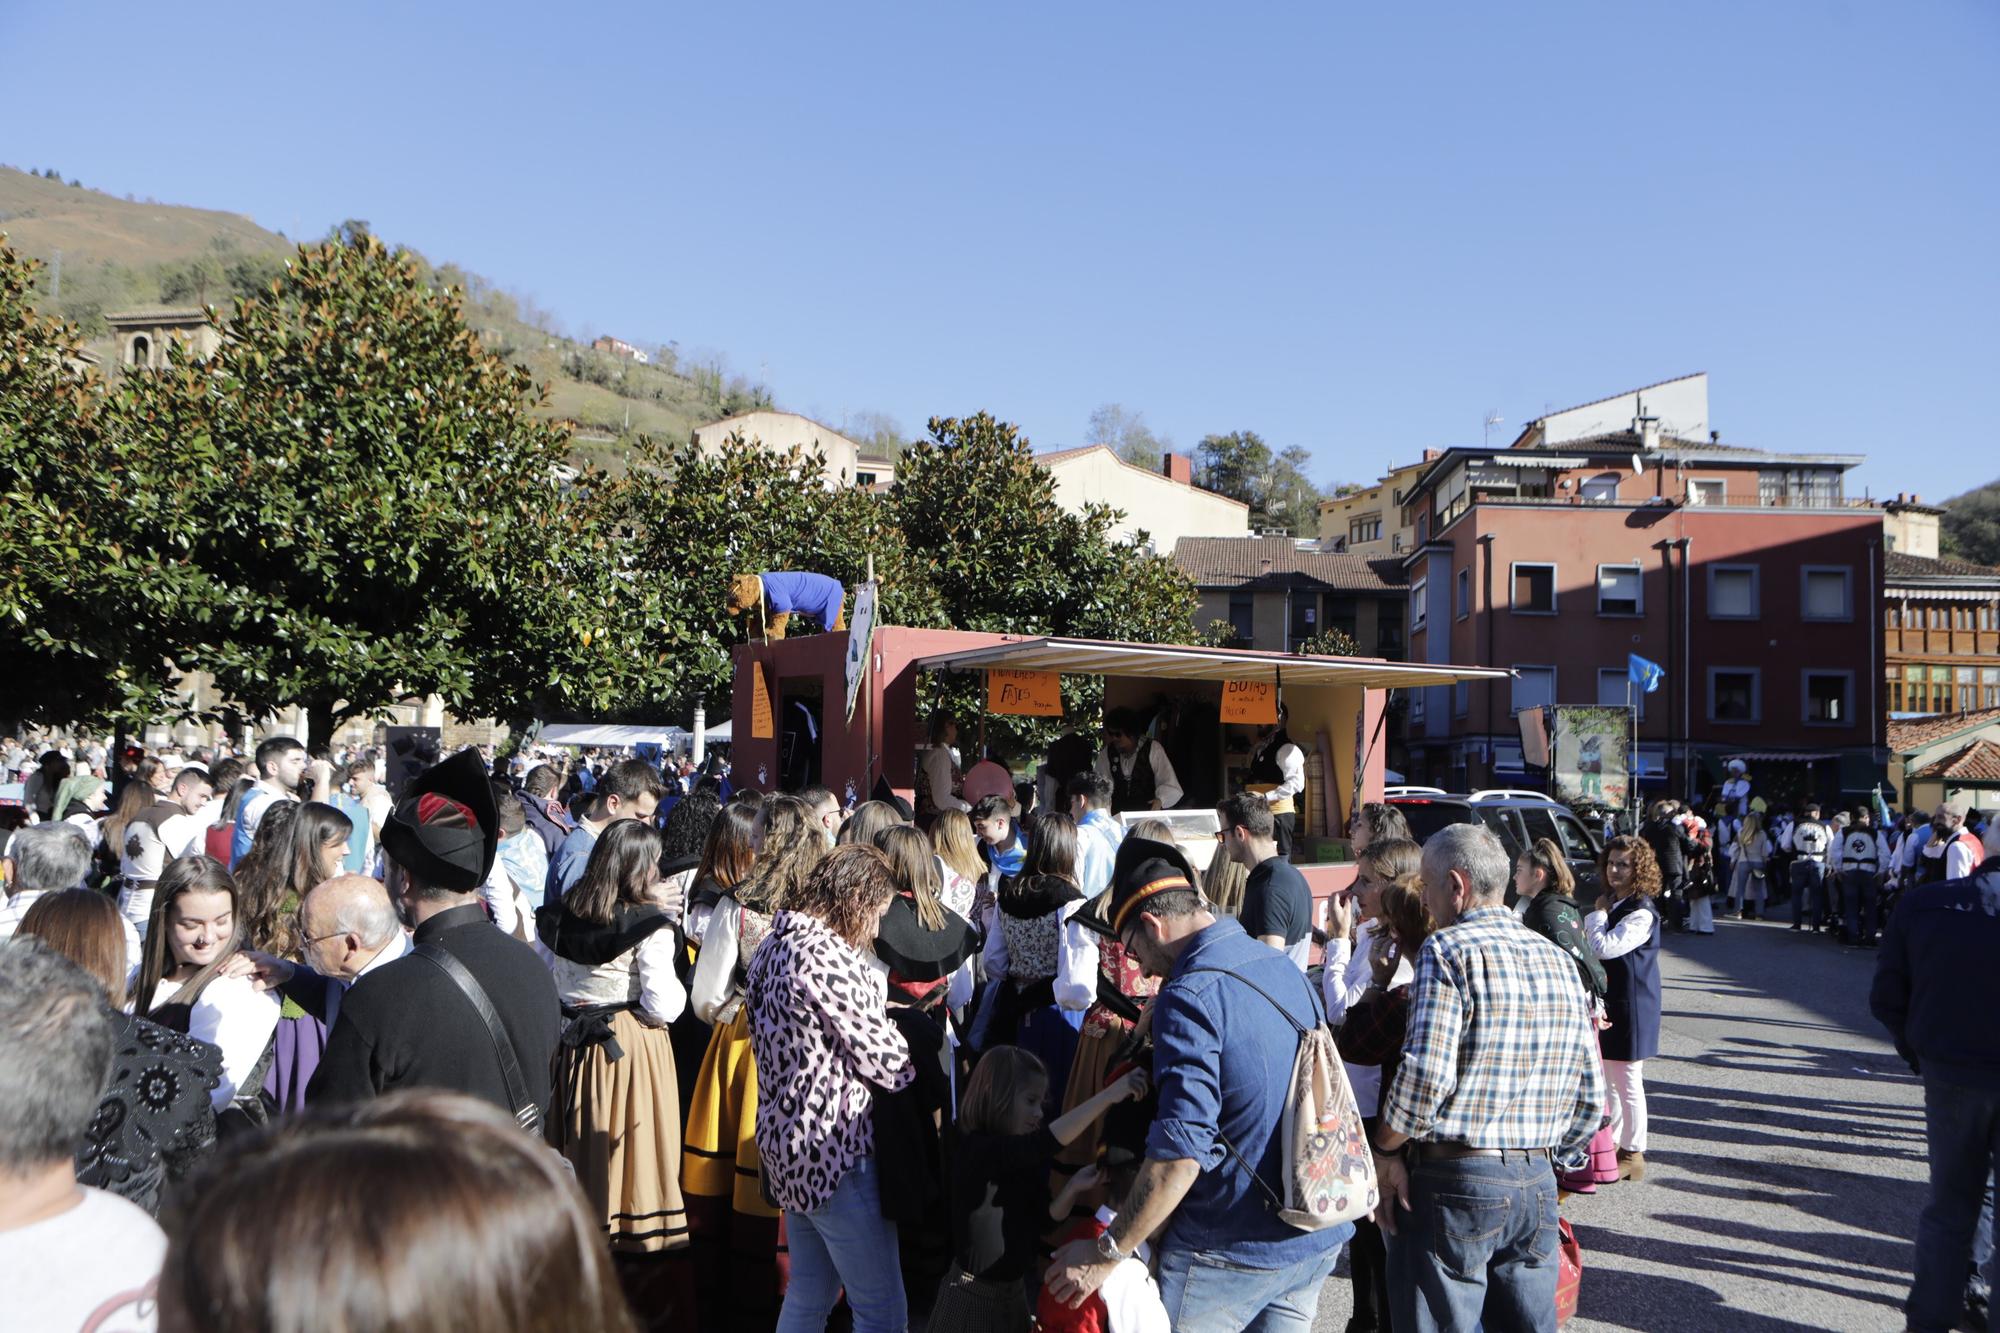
(608, 733)
(718, 734)
(1778, 757)
(1094, 657)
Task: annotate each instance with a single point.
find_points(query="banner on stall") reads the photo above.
(1250, 702)
(860, 636)
(1024, 693)
(1593, 755)
(763, 717)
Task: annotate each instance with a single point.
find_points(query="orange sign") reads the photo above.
(1253, 702)
(1024, 693)
(763, 723)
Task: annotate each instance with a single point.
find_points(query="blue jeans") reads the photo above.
(1807, 908)
(845, 1242)
(1963, 1127)
(1208, 1295)
(1477, 1247)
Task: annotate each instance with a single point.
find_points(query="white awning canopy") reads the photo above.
(610, 733)
(1093, 657)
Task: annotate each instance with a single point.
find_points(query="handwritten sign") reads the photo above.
(1252, 702)
(763, 720)
(1024, 693)
(860, 634)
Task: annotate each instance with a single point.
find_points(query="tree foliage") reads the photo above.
(1241, 465)
(1971, 526)
(1127, 432)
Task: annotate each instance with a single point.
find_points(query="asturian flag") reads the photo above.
(1643, 674)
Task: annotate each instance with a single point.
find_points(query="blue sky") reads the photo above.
(1356, 228)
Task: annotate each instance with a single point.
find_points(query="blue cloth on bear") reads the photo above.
(815, 595)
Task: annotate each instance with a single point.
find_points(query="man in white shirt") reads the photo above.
(1142, 777)
(183, 830)
(1277, 772)
(373, 796)
(73, 1257)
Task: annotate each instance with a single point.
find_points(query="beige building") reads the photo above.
(1910, 526)
(143, 336)
(1166, 505)
(1278, 592)
(848, 463)
(1369, 522)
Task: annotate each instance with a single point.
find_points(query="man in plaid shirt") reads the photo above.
(1499, 1074)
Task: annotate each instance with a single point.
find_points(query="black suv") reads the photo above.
(1518, 818)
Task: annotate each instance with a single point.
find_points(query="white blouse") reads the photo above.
(235, 1016)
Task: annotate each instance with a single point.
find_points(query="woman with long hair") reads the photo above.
(690, 835)
(1548, 907)
(133, 800)
(1624, 933)
(923, 943)
(194, 930)
(1370, 1036)
(611, 945)
(958, 857)
(469, 1224)
(155, 1120)
(1023, 951)
(216, 841)
(1748, 858)
(295, 847)
(738, 1237)
(869, 818)
(825, 1045)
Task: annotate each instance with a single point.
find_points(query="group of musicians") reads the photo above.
(1142, 776)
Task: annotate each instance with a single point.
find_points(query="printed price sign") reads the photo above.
(1024, 693)
(1252, 702)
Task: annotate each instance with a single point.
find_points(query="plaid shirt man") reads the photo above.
(1501, 1051)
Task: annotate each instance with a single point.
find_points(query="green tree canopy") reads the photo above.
(1971, 526)
(1275, 486)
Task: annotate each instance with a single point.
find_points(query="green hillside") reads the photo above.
(119, 254)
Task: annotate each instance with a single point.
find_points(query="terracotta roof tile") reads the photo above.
(1977, 762)
(1234, 562)
(1899, 564)
(1915, 733)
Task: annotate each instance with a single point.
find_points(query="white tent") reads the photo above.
(605, 733)
(718, 734)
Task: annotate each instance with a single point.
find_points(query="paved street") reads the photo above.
(1786, 1166)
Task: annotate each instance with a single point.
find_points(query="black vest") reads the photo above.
(1138, 791)
(1264, 766)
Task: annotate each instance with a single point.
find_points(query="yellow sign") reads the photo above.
(1253, 702)
(763, 723)
(1024, 693)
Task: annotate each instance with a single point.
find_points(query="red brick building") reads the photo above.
(1744, 573)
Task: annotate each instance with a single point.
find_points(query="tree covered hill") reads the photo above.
(125, 253)
(1971, 525)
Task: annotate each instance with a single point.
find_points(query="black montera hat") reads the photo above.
(1144, 868)
(446, 828)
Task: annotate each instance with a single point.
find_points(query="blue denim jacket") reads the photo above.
(1222, 1057)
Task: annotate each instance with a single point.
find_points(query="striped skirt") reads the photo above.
(622, 1133)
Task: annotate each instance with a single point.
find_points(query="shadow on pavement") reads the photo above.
(1668, 1305)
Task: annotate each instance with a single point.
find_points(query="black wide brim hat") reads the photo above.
(446, 829)
(1142, 868)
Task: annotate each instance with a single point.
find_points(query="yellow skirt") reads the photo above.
(720, 1159)
(623, 1137)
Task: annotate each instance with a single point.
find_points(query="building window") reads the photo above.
(142, 351)
(1533, 686)
(1534, 588)
(1893, 618)
(1986, 617)
(1734, 694)
(1417, 704)
(1611, 690)
(1305, 616)
(864, 479)
(1813, 488)
(1706, 490)
(1826, 592)
(1419, 601)
(1243, 618)
(1895, 692)
(1461, 698)
(1365, 529)
(1913, 694)
(1964, 678)
(1989, 687)
(1462, 594)
(1732, 592)
(1618, 590)
(1828, 696)
(1600, 489)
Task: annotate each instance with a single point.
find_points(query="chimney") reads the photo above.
(1432, 455)
(1648, 431)
(1178, 467)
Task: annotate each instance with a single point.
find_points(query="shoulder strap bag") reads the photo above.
(526, 1113)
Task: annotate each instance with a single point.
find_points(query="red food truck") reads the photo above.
(792, 725)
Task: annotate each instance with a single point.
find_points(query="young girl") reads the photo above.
(1023, 947)
(923, 944)
(1624, 931)
(737, 1236)
(193, 932)
(958, 856)
(610, 943)
(1000, 1158)
(1549, 908)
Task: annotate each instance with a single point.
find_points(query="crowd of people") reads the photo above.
(621, 1047)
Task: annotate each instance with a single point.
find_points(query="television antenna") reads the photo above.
(1493, 418)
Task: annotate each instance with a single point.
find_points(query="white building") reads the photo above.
(1166, 504)
(848, 463)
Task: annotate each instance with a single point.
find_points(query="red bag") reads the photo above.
(1569, 1272)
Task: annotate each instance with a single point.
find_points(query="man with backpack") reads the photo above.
(1232, 1016)
(1499, 1076)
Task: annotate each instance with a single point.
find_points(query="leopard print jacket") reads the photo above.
(820, 1029)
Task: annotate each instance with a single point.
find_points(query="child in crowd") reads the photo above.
(1000, 1154)
(1129, 1301)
